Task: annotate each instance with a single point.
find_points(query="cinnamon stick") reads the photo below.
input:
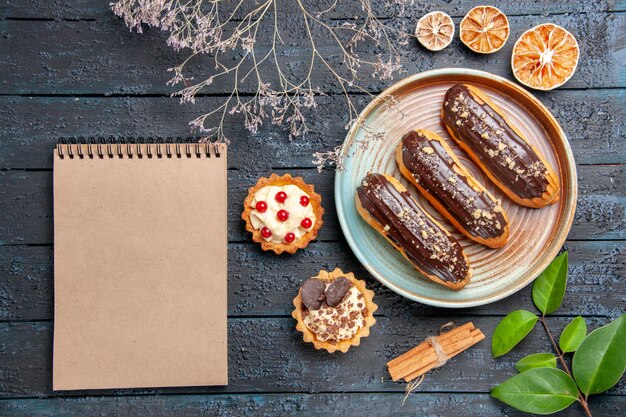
(406, 363)
(424, 357)
(424, 346)
(425, 354)
(479, 336)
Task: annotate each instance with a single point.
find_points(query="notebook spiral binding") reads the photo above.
(130, 147)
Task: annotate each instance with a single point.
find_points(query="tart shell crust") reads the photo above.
(314, 199)
(342, 345)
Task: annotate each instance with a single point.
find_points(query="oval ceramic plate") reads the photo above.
(536, 235)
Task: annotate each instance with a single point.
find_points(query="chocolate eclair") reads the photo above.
(388, 207)
(498, 147)
(428, 162)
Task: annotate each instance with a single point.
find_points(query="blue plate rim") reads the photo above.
(551, 251)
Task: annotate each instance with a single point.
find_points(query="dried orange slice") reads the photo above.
(545, 57)
(435, 31)
(484, 29)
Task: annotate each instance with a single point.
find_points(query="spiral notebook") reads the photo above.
(140, 254)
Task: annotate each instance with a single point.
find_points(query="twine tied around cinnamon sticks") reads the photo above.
(432, 353)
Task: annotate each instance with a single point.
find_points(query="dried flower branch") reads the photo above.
(220, 29)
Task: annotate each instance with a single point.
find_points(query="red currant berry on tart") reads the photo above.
(281, 196)
(282, 215)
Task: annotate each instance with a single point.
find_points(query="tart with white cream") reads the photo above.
(283, 213)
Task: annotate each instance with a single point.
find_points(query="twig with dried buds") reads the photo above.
(220, 29)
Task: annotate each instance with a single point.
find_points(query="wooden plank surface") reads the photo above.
(108, 59)
(297, 404)
(94, 9)
(31, 126)
(26, 204)
(268, 355)
(260, 284)
(70, 68)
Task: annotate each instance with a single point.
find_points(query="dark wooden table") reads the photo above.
(72, 69)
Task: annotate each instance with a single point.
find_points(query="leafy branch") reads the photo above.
(598, 363)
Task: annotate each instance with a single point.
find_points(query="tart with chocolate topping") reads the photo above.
(334, 310)
(428, 162)
(283, 213)
(498, 147)
(388, 207)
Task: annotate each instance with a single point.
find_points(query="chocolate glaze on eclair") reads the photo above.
(388, 207)
(498, 147)
(429, 163)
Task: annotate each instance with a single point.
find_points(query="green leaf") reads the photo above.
(573, 335)
(549, 287)
(538, 391)
(600, 360)
(538, 360)
(511, 330)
